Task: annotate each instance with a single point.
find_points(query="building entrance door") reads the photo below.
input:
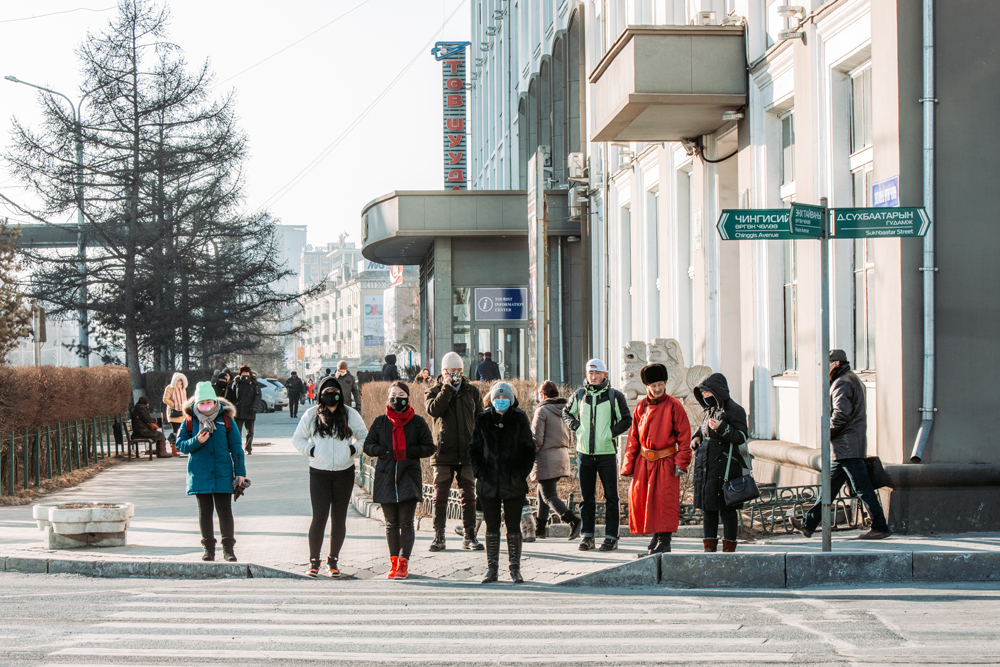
(507, 345)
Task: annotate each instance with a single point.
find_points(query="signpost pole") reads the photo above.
(822, 367)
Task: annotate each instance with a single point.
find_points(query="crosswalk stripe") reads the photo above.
(408, 641)
(324, 618)
(381, 607)
(379, 629)
(410, 658)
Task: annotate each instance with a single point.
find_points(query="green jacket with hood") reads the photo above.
(597, 414)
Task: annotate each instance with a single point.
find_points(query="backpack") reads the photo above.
(189, 422)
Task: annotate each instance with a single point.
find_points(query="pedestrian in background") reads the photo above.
(718, 459)
(330, 435)
(553, 443)
(398, 439)
(294, 387)
(502, 453)
(423, 377)
(144, 426)
(352, 392)
(453, 403)
(215, 465)
(849, 445)
(247, 393)
(389, 371)
(657, 454)
(310, 388)
(224, 386)
(174, 397)
(597, 414)
(488, 370)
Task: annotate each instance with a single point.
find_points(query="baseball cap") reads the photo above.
(596, 365)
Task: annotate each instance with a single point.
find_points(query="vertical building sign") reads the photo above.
(452, 57)
(537, 263)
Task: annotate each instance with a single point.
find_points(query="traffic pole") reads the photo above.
(822, 367)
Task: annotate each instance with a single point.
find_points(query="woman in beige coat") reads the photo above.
(553, 444)
(174, 397)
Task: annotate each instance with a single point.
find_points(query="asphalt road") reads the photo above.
(72, 621)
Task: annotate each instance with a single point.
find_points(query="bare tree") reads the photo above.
(15, 313)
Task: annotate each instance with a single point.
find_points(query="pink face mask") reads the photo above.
(206, 407)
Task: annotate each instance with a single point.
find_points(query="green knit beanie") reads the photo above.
(204, 392)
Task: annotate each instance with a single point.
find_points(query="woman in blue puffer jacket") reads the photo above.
(330, 435)
(208, 435)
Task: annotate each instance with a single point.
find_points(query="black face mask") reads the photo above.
(710, 401)
(329, 399)
(398, 403)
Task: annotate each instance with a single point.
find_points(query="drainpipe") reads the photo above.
(927, 410)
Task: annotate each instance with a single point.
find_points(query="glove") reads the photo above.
(678, 471)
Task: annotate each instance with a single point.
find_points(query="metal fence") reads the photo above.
(56, 449)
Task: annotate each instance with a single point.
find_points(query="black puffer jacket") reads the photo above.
(712, 453)
(246, 391)
(396, 481)
(502, 452)
(389, 371)
(454, 412)
(848, 415)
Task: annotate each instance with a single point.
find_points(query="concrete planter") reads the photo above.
(81, 524)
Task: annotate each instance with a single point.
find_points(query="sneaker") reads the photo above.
(608, 545)
(587, 544)
(874, 535)
(331, 567)
(313, 570)
(799, 526)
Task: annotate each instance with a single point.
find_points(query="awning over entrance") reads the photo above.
(668, 83)
(400, 227)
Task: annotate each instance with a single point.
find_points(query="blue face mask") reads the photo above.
(501, 404)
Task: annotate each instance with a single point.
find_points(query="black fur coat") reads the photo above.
(502, 453)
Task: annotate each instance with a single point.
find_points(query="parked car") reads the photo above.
(281, 394)
(268, 394)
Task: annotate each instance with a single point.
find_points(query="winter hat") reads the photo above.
(204, 392)
(502, 389)
(294, 374)
(653, 373)
(838, 355)
(596, 365)
(329, 382)
(245, 369)
(452, 360)
(179, 376)
(143, 399)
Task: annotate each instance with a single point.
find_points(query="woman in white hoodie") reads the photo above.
(330, 435)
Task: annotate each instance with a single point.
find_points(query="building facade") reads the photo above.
(317, 263)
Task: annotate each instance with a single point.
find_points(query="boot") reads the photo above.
(514, 557)
(728, 546)
(394, 567)
(662, 543)
(651, 547)
(403, 568)
(541, 528)
(469, 541)
(711, 544)
(438, 544)
(209, 545)
(161, 450)
(249, 449)
(492, 557)
(173, 449)
(574, 524)
(227, 549)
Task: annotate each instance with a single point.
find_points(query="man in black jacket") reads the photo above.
(294, 387)
(349, 385)
(849, 445)
(247, 393)
(389, 371)
(488, 370)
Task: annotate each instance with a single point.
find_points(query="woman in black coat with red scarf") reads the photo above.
(398, 439)
(502, 452)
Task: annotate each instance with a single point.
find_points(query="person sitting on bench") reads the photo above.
(145, 427)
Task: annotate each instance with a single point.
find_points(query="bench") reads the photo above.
(131, 439)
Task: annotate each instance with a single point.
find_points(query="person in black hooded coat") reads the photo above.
(723, 430)
(390, 373)
(502, 453)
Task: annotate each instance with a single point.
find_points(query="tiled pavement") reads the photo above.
(273, 517)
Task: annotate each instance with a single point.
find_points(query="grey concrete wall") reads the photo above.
(442, 298)
(489, 261)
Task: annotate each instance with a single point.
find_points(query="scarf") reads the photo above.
(180, 398)
(399, 420)
(207, 419)
(655, 401)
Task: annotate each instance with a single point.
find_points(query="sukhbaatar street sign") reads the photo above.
(859, 223)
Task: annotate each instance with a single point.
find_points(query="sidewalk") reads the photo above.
(272, 520)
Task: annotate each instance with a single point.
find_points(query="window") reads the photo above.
(787, 148)
(790, 296)
(863, 279)
(461, 303)
(861, 109)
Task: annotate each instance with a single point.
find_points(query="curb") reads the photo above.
(143, 569)
(795, 570)
(365, 506)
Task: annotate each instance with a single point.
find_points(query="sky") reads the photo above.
(293, 107)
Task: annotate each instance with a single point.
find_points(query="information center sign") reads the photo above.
(495, 304)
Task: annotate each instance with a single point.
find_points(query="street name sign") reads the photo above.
(860, 223)
(806, 220)
(751, 224)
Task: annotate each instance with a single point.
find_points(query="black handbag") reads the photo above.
(739, 490)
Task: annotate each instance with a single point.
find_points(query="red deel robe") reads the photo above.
(654, 499)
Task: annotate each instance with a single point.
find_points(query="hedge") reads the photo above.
(33, 396)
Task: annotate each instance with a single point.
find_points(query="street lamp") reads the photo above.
(81, 246)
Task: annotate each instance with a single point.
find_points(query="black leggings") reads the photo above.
(330, 493)
(222, 503)
(548, 496)
(729, 526)
(511, 514)
(399, 527)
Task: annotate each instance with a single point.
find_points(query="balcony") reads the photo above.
(667, 83)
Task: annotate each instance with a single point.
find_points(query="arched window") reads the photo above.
(545, 104)
(559, 111)
(576, 103)
(532, 128)
(522, 145)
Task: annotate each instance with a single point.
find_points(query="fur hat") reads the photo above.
(179, 376)
(653, 373)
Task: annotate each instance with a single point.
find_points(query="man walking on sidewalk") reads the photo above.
(454, 403)
(598, 414)
(849, 444)
(247, 393)
(352, 394)
(294, 387)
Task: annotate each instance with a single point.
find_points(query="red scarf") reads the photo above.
(399, 420)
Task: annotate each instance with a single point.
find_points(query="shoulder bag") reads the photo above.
(739, 490)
